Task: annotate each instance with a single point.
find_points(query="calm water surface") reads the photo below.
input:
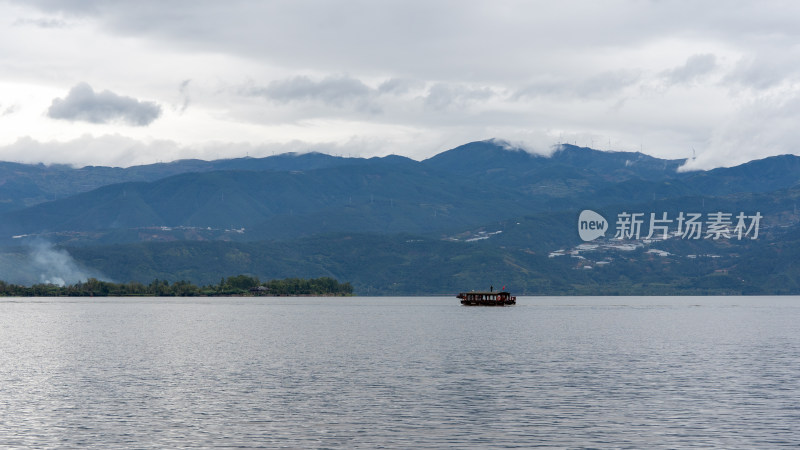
(621, 372)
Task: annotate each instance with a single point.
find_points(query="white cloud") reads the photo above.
(767, 69)
(766, 125)
(110, 150)
(117, 150)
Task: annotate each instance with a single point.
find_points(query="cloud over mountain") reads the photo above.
(407, 77)
(84, 104)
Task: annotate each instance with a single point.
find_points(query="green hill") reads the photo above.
(478, 215)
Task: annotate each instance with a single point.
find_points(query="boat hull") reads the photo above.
(487, 303)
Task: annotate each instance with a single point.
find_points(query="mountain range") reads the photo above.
(479, 213)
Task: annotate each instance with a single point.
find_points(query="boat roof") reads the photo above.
(486, 292)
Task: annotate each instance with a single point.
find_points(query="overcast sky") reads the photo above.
(123, 82)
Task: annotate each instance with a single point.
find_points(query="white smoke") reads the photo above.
(42, 262)
(55, 266)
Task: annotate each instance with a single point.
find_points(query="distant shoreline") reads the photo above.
(236, 286)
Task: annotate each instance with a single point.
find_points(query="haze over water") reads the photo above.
(635, 372)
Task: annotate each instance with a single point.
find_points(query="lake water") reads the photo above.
(621, 372)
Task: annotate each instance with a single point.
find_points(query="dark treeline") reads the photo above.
(240, 285)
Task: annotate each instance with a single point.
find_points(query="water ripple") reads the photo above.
(400, 373)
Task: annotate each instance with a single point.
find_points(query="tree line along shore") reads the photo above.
(240, 285)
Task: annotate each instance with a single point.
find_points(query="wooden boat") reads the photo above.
(490, 298)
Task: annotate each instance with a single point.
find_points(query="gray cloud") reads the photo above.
(339, 92)
(443, 96)
(41, 23)
(605, 84)
(184, 92)
(399, 86)
(434, 40)
(84, 104)
(333, 91)
(8, 110)
(441, 39)
(696, 66)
